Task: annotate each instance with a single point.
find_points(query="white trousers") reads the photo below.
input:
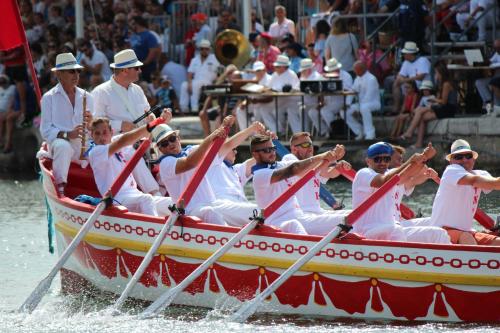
(237, 214)
(291, 227)
(194, 99)
(322, 224)
(208, 214)
(140, 202)
(366, 110)
(487, 20)
(266, 112)
(483, 89)
(292, 105)
(63, 152)
(424, 234)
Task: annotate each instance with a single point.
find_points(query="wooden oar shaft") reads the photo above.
(184, 199)
(250, 307)
(36, 296)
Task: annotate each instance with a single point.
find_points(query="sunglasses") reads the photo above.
(73, 71)
(304, 145)
(385, 159)
(460, 157)
(167, 141)
(266, 150)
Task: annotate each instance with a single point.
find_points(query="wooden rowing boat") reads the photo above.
(351, 277)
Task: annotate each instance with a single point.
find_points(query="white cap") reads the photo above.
(204, 44)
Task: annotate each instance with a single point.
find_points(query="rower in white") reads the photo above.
(272, 178)
(177, 166)
(227, 180)
(380, 222)
(316, 220)
(458, 195)
(107, 160)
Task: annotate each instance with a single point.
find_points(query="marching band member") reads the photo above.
(107, 161)
(301, 148)
(122, 101)
(457, 198)
(227, 179)
(307, 73)
(283, 80)
(333, 105)
(366, 85)
(379, 221)
(178, 165)
(271, 178)
(62, 118)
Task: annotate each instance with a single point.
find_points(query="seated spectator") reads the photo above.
(202, 28)
(256, 25)
(381, 69)
(94, 61)
(444, 106)
(322, 30)
(166, 95)
(482, 83)
(341, 45)
(176, 73)
(484, 20)
(414, 68)
(426, 94)
(409, 104)
(293, 53)
(282, 24)
(315, 57)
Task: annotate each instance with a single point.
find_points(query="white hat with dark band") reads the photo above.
(65, 61)
(461, 146)
(125, 59)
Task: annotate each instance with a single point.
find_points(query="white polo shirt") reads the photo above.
(205, 71)
(109, 103)
(308, 196)
(176, 183)
(58, 114)
(266, 193)
(421, 65)
(99, 58)
(227, 183)
(106, 168)
(455, 205)
(381, 213)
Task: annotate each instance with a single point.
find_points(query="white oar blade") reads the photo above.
(245, 311)
(161, 302)
(36, 296)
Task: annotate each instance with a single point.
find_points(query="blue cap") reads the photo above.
(379, 148)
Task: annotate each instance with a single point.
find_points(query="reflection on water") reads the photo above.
(25, 260)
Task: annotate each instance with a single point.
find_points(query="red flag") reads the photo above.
(11, 30)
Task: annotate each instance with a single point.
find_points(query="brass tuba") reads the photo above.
(232, 47)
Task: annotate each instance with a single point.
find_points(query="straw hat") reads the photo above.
(282, 61)
(126, 59)
(162, 131)
(66, 61)
(204, 44)
(461, 146)
(258, 66)
(306, 64)
(426, 84)
(332, 65)
(410, 47)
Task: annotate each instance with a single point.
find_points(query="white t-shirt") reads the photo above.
(382, 212)
(455, 205)
(176, 183)
(108, 103)
(227, 183)
(266, 193)
(106, 168)
(421, 65)
(308, 195)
